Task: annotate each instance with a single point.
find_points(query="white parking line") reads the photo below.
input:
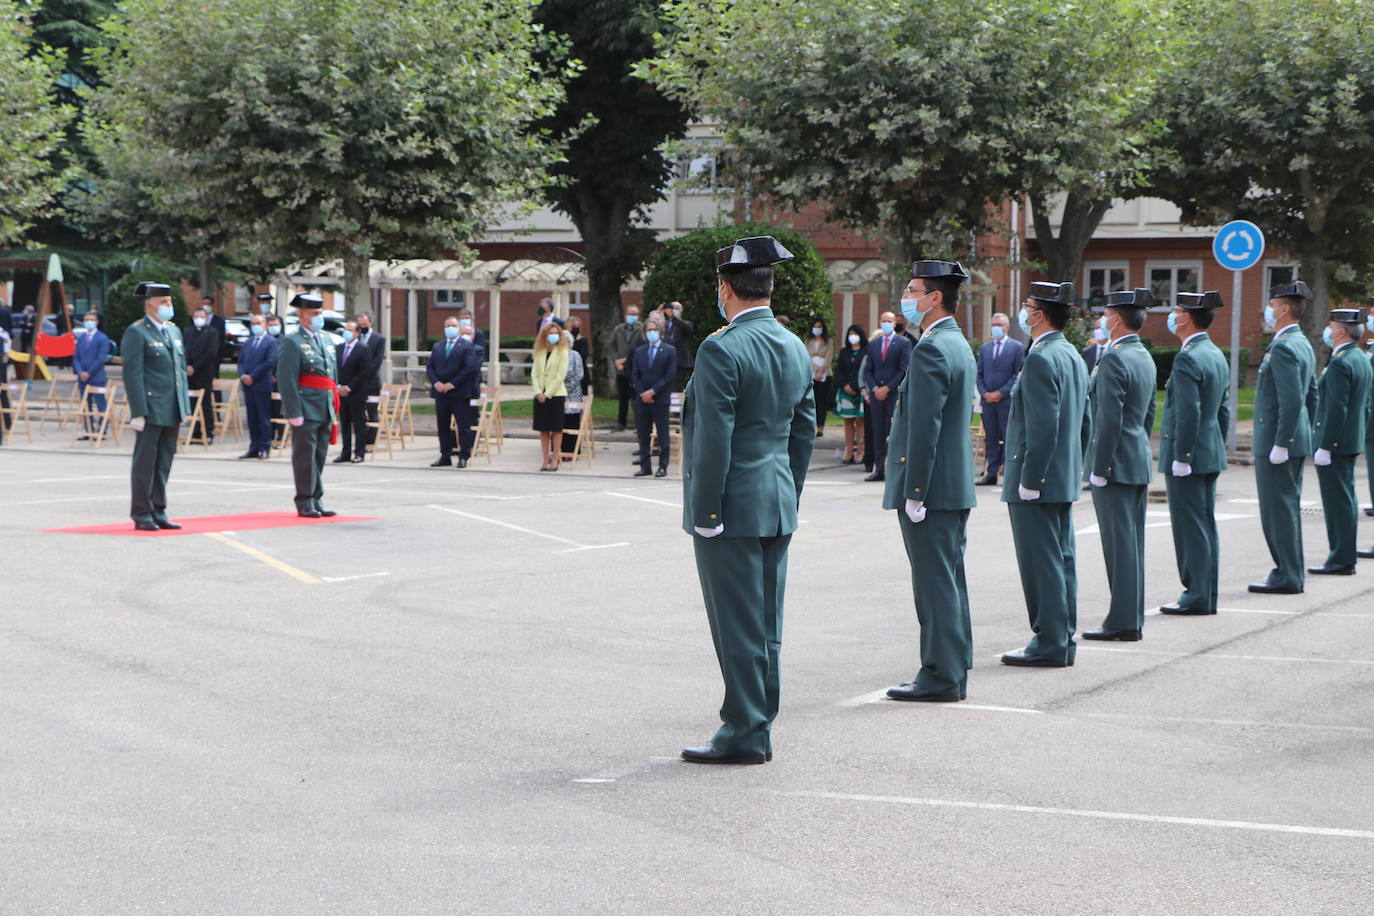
(530, 531)
(1239, 723)
(351, 578)
(1089, 813)
(643, 499)
(1231, 657)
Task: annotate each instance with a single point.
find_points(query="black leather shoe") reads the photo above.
(307, 513)
(358, 459)
(1180, 610)
(643, 472)
(145, 526)
(1111, 635)
(264, 455)
(661, 472)
(1023, 659)
(1369, 510)
(1331, 569)
(987, 480)
(443, 463)
(83, 438)
(875, 476)
(1367, 554)
(342, 459)
(166, 525)
(462, 462)
(249, 454)
(708, 753)
(325, 513)
(1264, 588)
(913, 694)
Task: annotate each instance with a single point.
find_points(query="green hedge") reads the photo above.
(1164, 362)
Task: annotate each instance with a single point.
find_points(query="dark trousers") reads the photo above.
(1120, 511)
(259, 404)
(277, 431)
(683, 376)
(1341, 508)
(868, 438)
(882, 412)
(5, 403)
(446, 410)
(373, 399)
(207, 407)
(624, 392)
(309, 449)
(1280, 505)
(1043, 535)
(649, 417)
(935, 547)
(353, 423)
(1192, 516)
(821, 388)
(154, 448)
(742, 583)
(995, 432)
(98, 403)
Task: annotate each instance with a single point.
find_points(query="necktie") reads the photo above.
(886, 341)
(653, 352)
(347, 350)
(449, 351)
(997, 352)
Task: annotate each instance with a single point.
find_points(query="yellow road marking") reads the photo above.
(298, 574)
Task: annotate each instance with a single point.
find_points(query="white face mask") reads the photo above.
(854, 339)
(198, 322)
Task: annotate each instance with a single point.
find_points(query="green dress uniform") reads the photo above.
(1285, 399)
(1369, 430)
(155, 383)
(306, 354)
(749, 425)
(929, 460)
(1047, 434)
(1197, 415)
(1342, 405)
(1122, 394)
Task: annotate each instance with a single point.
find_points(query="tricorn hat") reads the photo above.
(1295, 290)
(1346, 316)
(949, 270)
(1198, 302)
(759, 251)
(1057, 293)
(1131, 298)
(265, 297)
(150, 290)
(307, 301)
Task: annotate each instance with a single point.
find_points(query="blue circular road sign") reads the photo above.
(1238, 245)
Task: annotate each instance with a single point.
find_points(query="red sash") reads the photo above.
(321, 383)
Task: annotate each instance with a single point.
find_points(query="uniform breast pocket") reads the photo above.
(153, 350)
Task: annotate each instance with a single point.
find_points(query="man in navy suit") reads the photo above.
(888, 355)
(257, 370)
(455, 377)
(653, 370)
(355, 361)
(999, 363)
(88, 360)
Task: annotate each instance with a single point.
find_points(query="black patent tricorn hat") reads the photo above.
(1056, 293)
(307, 301)
(1131, 298)
(1346, 316)
(935, 270)
(759, 251)
(152, 290)
(1198, 302)
(1295, 290)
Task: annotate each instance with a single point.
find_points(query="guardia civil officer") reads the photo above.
(155, 382)
(1369, 423)
(749, 424)
(1046, 438)
(930, 480)
(1285, 401)
(1339, 431)
(1192, 449)
(1119, 462)
(307, 378)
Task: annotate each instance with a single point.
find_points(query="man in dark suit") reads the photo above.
(376, 348)
(202, 364)
(676, 331)
(355, 370)
(88, 361)
(653, 368)
(6, 317)
(257, 370)
(466, 324)
(999, 363)
(888, 355)
(1098, 348)
(455, 373)
(624, 339)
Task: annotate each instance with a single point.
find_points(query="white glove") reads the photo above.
(916, 510)
(1027, 495)
(297, 421)
(137, 424)
(1278, 455)
(1097, 481)
(1181, 469)
(1321, 458)
(709, 532)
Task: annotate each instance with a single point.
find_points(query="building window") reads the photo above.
(1101, 279)
(1169, 279)
(242, 295)
(697, 176)
(450, 298)
(1276, 274)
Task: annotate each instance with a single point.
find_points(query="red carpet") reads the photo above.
(208, 523)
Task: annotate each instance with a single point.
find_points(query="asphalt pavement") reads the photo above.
(471, 700)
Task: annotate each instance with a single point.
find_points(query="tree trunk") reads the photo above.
(206, 270)
(1064, 254)
(357, 285)
(606, 313)
(1316, 273)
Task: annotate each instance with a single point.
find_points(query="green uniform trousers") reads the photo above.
(935, 548)
(1120, 509)
(1192, 515)
(1369, 466)
(742, 582)
(1280, 505)
(1043, 534)
(154, 448)
(309, 449)
(1341, 508)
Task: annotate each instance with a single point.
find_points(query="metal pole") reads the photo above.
(1236, 315)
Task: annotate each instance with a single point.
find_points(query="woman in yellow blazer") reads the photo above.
(550, 368)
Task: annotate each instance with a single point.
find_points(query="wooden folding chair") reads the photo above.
(381, 429)
(229, 419)
(92, 422)
(586, 446)
(61, 400)
(17, 412)
(496, 426)
(482, 442)
(280, 441)
(195, 425)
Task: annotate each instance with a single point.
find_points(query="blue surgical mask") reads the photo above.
(1268, 316)
(88, 325)
(632, 319)
(720, 307)
(451, 332)
(165, 313)
(274, 329)
(651, 336)
(464, 322)
(317, 323)
(910, 312)
(887, 327)
(817, 332)
(264, 307)
(1172, 323)
(1023, 319)
(346, 334)
(257, 330)
(998, 332)
(1326, 337)
(553, 339)
(1369, 323)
